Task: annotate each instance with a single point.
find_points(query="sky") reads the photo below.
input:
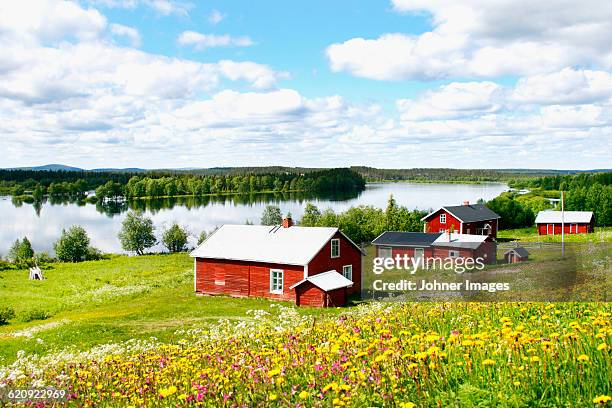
(390, 84)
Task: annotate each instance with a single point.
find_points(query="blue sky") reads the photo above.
(401, 83)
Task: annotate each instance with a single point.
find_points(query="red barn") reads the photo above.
(279, 262)
(575, 222)
(470, 219)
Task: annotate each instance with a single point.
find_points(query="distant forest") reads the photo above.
(449, 175)
(115, 185)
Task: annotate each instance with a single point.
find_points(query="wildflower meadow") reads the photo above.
(377, 354)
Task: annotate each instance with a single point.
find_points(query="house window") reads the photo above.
(385, 252)
(276, 281)
(335, 248)
(453, 254)
(347, 271)
(442, 218)
(442, 230)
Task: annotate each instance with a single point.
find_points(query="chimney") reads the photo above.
(466, 203)
(287, 222)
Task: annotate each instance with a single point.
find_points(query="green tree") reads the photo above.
(21, 253)
(73, 245)
(311, 217)
(137, 233)
(392, 215)
(271, 215)
(175, 238)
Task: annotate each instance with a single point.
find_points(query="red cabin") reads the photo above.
(280, 262)
(574, 222)
(470, 219)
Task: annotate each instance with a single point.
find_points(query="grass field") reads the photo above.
(601, 234)
(97, 302)
(129, 331)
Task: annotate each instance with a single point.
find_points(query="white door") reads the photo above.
(419, 253)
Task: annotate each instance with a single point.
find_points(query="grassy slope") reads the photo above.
(109, 301)
(601, 234)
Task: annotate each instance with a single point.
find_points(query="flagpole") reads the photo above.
(562, 227)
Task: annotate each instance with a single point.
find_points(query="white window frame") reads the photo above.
(442, 230)
(347, 272)
(454, 254)
(336, 241)
(442, 218)
(282, 281)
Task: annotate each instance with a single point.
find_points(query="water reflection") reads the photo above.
(42, 222)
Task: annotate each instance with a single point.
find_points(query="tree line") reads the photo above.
(583, 192)
(131, 185)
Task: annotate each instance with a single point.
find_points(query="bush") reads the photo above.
(21, 253)
(34, 314)
(175, 238)
(136, 233)
(73, 245)
(6, 314)
(271, 216)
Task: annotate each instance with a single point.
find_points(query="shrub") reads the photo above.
(73, 245)
(6, 314)
(136, 233)
(175, 238)
(34, 314)
(271, 216)
(21, 253)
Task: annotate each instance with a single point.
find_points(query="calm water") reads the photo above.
(43, 224)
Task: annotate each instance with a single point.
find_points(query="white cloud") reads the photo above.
(42, 21)
(215, 17)
(566, 86)
(453, 101)
(201, 41)
(478, 38)
(129, 32)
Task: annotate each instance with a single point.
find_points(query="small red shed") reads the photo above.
(575, 222)
(325, 289)
(278, 262)
(516, 254)
(470, 219)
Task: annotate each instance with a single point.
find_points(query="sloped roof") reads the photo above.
(468, 213)
(396, 238)
(453, 240)
(326, 281)
(520, 251)
(552, 217)
(261, 243)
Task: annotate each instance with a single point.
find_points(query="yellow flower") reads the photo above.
(602, 399)
(583, 358)
(304, 395)
(602, 346)
(272, 397)
(274, 372)
(517, 383)
(166, 392)
(535, 359)
(407, 405)
(488, 362)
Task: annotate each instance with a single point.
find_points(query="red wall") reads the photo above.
(349, 255)
(434, 225)
(308, 294)
(582, 229)
(241, 278)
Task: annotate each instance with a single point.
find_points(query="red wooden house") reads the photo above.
(471, 219)
(435, 245)
(307, 265)
(575, 222)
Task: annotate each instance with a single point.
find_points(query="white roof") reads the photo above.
(327, 281)
(444, 238)
(261, 243)
(545, 217)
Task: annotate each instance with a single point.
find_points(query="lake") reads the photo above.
(43, 224)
